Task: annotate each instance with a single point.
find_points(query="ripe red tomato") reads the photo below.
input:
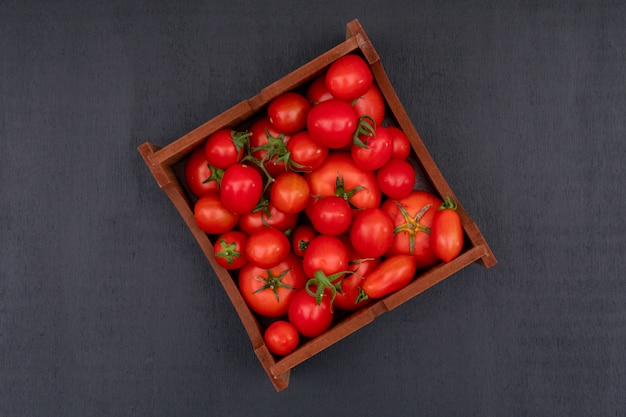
(396, 178)
(359, 186)
(305, 153)
(350, 284)
(269, 291)
(287, 112)
(371, 232)
(241, 188)
(290, 192)
(310, 318)
(267, 247)
(301, 236)
(376, 150)
(267, 216)
(332, 123)
(401, 144)
(331, 215)
(229, 250)
(267, 144)
(412, 217)
(325, 253)
(281, 337)
(317, 90)
(446, 232)
(199, 176)
(391, 275)
(225, 147)
(349, 77)
(212, 216)
(371, 104)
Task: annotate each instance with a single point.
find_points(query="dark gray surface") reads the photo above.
(108, 308)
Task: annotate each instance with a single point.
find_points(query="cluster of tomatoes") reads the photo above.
(313, 207)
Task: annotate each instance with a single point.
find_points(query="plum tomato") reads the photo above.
(281, 337)
(290, 192)
(391, 275)
(241, 188)
(446, 232)
(349, 77)
(212, 216)
(230, 250)
(199, 176)
(287, 112)
(267, 247)
(396, 178)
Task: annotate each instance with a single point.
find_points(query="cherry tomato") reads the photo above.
(332, 123)
(396, 178)
(229, 250)
(374, 151)
(401, 144)
(306, 154)
(290, 192)
(446, 232)
(412, 217)
(350, 284)
(391, 275)
(241, 188)
(287, 112)
(301, 236)
(310, 318)
(269, 291)
(267, 216)
(267, 247)
(325, 253)
(212, 216)
(317, 90)
(371, 232)
(225, 147)
(267, 144)
(199, 176)
(371, 104)
(331, 215)
(349, 77)
(281, 337)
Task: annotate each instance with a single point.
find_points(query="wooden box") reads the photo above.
(165, 162)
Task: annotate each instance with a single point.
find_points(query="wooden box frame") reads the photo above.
(162, 163)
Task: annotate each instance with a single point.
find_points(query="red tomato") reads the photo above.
(371, 104)
(359, 185)
(225, 147)
(331, 215)
(241, 188)
(325, 253)
(290, 192)
(287, 112)
(401, 144)
(267, 247)
(317, 90)
(332, 123)
(371, 232)
(301, 236)
(267, 145)
(212, 216)
(305, 153)
(350, 285)
(199, 176)
(446, 232)
(281, 338)
(267, 216)
(374, 151)
(412, 217)
(229, 250)
(391, 275)
(396, 178)
(349, 77)
(310, 318)
(269, 291)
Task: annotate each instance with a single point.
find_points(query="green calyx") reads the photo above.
(323, 282)
(229, 251)
(240, 140)
(340, 190)
(412, 225)
(273, 282)
(366, 127)
(448, 204)
(216, 175)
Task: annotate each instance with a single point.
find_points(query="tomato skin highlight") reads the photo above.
(446, 232)
(391, 275)
(281, 337)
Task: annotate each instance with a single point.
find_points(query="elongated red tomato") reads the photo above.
(371, 232)
(391, 275)
(446, 232)
(332, 123)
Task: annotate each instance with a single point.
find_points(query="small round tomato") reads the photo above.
(331, 215)
(241, 188)
(267, 144)
(212, 216)
(225, 147)
(374, 151)
(281, 337)
(301, 236)
(396, 178)
(310, 318)
(332, 123)
(371, 232)
(325, 253)
(349, 287)
(267, 247)
(446, 232)
(269, 291)
(349, 77)
(268, 215)
(371, 104)
(305, 153)
(199, 176)
(317, 90)
(290, 192)
(229, 250)
(287, 112)
(401, 145)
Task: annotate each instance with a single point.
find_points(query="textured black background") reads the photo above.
(108, 307)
